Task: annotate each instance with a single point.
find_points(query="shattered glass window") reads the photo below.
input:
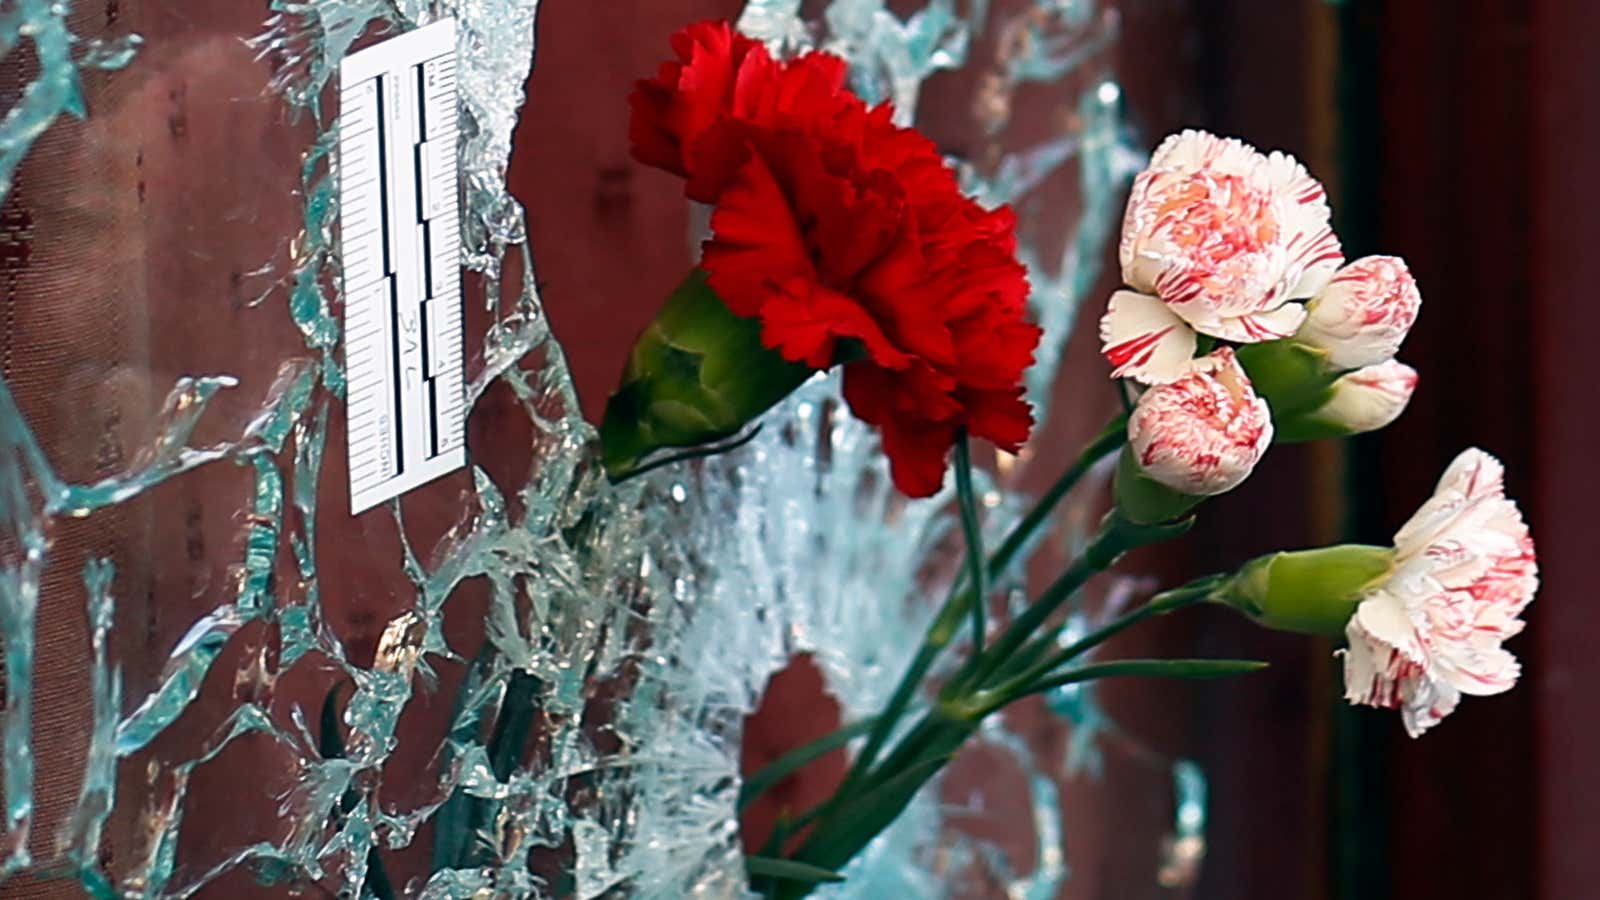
(518, 680)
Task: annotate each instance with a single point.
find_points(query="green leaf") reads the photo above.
(788, 763)
(861, 818)
(1192, 669)
(788, 870)
(1045, 654)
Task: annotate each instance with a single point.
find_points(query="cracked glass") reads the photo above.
(519, 680)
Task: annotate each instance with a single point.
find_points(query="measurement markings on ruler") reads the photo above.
(402, 255)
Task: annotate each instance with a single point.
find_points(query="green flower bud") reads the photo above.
(1143, 500)
(1308, 591)
(1293, 377)
(696, 375)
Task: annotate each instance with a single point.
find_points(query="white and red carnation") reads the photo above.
(1369, 398)
(1364, 313)
(1225, 237)
(1465, 571)
(1139, 335)
(1203, 433)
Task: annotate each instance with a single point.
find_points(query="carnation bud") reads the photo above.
(697, 374)
(1364, 400)
(1204, 433)
(1308, 591)
(1364, 313)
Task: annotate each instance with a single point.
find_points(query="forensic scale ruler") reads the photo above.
(401, 231)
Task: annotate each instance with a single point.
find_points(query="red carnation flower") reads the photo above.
(848, 239)
(691, 118)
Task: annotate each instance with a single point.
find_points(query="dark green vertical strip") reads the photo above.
(1359, 832)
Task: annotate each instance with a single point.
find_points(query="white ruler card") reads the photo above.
(401, 234)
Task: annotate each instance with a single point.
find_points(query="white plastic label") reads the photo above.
(401, 236)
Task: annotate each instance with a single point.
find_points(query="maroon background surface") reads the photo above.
(1565, 185)
(1457, 133)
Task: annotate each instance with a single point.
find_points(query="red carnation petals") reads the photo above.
(833, 224)
(717, 68)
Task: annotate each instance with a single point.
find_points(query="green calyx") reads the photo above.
(1308, 591)
(1311, 426)
(1143, 500)
(1294, 378)
(696, 375)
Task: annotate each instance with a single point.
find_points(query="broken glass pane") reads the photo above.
(518, 680)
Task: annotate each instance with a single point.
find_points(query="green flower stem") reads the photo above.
(933, 734)
(942, 730)
(935, 741)
(865, 780)
(879, 807)
(926, 654)
(1117, 536)
(788, 763)
(1110, 440)
(1194, 592)
(941, 733)
(853, 824)
(912, 746)
(1027, 657)
(1192, 669)
(943, 628)
(977, 570)
(1107, 545)
(875, 792)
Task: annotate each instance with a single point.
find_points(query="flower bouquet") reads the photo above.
(839, 238)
